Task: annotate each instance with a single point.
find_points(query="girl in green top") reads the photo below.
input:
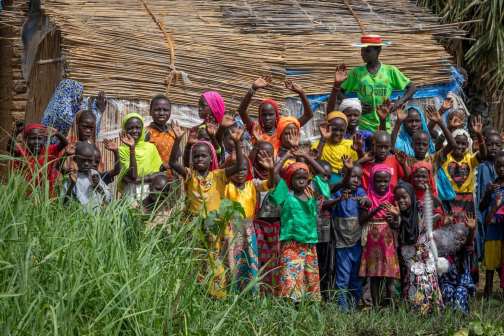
(299, 272)
(373, 83)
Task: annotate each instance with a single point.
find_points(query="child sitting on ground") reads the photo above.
(347, 203)
(85, 185)
(40, 161)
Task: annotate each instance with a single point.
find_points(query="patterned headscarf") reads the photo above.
(216, 104)
(289, 171)
(214, 165)
(268, 101)
(373, 196)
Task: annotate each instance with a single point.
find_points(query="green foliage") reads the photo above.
(485, 57)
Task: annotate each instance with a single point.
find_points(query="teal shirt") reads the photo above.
(298, 218)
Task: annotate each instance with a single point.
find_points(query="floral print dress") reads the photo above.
(421, 288)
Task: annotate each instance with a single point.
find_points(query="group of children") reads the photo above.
(316, 224)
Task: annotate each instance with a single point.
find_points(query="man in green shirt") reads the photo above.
(374, 82)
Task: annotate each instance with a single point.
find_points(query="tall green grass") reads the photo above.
(63, 272)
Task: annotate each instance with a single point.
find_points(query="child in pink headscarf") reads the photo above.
(211, 103)
(379, 256)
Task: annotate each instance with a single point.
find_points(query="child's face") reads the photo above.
(97, 159)
(203, 109)
(355, 179)
(413, 121)
(381, 182)
(461, 144)
(499, 166)
(382, 147)
(402, 198)
(158, 189)
(266, 146)
(421, 178)
(35, 141)
(371, 140)
(84, 161)
(242, 174)
(161, 111)
(421, 144)
(338, 129)
(369, 54)
(203, 135)
(134, 127)
(86, 129)
(201, 157)
(353, 117)
(327, 173)
(299, 180)
(268, 116)
(493, 143)
(285, 133)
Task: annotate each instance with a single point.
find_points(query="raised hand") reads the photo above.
(392, 209)
(73, 176)
(293, 86)
(366, 108)
(358, 142)
(50, 132)
(401, 115)
(325, 130)
(340, 74)
(493, 188)
(20, 124)
(127, 139)
(449, 218)
(447, 105)
(401, 157)
(266, 159)
(257, 132)
(110, 145)
(177, 130)
(314, 153)
(232, 158)
(293, 138)
(347, 162)
(193, 137)
(228, 119)
(383, 110)
(433, 114)
(101, 102)
(210, 124)
(70, 149)
(236, 135)
(457, 121)
(262, 82)
(470, 220)
(477, 125)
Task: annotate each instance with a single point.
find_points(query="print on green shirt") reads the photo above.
(374, 90)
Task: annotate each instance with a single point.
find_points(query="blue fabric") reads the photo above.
(456, 298)
(367, 139)
(485, 173)
(404, 140)
(348, 282)
(63, 106)
(348, 208)
(495, 231)
(335, 178)
(444, 187)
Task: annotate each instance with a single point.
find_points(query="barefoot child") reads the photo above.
(347, 203)
(205, 185)
(269, 116)
(420, 285)
(85, 185)
(39, 161)
(244, 189)
(379, 256)
(299, 273)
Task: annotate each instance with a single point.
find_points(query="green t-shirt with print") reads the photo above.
(374, 89)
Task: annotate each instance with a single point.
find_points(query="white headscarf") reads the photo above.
(351, 103)
(463, 132)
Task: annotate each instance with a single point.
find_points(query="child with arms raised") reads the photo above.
(420, 285)
(299, 273)
(108, 176)
(347, 204)
(40, 161)
(85, 185)
(206, 184)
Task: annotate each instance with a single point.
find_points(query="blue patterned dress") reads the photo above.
(64, 105)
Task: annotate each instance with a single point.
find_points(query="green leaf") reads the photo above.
(462, 332)
(475, 327)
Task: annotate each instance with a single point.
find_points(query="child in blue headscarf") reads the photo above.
(414, 121)
(66, 102)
